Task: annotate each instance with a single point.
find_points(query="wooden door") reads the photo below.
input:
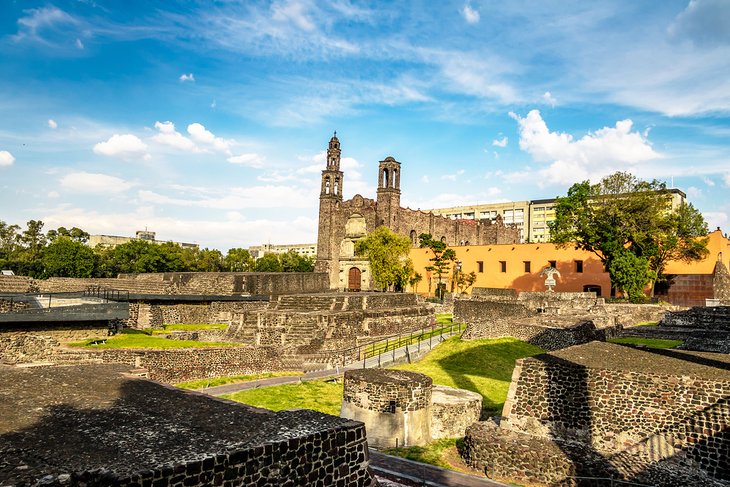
(353, 281)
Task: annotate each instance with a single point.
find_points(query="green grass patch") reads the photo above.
(233, 379)
(483, 366)
(322, 396)
(130, 338)
(432, 454)
(187, 327)
(647, 323)
(444, 318)
(647, 342)
(392, 343)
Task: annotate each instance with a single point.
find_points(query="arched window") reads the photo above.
(414, 238)
(443, 239)
(326, 185)
(386, 180)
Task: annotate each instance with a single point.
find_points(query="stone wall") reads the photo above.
(8, 305)
(688, 290)
(721, 283)
(17, 284)
(101, 427)
(607, 410)
(707, 318)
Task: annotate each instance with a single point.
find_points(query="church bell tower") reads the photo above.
(389, 193)
(330, 201)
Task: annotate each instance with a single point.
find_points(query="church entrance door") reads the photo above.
(354, 279)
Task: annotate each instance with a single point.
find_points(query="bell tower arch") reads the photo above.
(389, 193)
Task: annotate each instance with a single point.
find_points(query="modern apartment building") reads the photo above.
(305, 250)
(114, 240)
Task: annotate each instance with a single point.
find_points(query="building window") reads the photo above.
(502, 266)
(553, 263)
(480, 266)
(527, 266)
(578, 266)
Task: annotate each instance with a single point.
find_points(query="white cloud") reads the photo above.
(704, 22)
(251, 160)
(708, 181)
(425, 179)
(6, 158)
(187, 77)
(202, 135)
(694, 192)
(52, 123)
(453, 177)
(79, 44)
(716, 219)
(125, 146)
(548, 98)
(594, 155)
(41, 19)
(172, 138)
(94, 183)
(725, 179)
(293, 11)
(500, 142)
(53, 194)
(470, 15)
(266, 196)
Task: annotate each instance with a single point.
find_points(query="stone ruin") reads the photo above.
(550, 320)
(319, 326)
(609, 411)
(95, 426)
(402, 409)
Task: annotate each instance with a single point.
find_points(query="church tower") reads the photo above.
(330, 201)
(389, 193)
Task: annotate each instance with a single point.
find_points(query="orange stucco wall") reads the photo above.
(539, 254)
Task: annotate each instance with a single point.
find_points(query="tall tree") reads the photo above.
(269, 263)
(387, 253)
(238, 260)
(66, 257)
(443, 258)
(623, 213)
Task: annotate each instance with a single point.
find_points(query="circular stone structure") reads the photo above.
(395, 405)
(453, 411)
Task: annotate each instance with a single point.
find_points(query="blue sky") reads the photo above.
(206, 122)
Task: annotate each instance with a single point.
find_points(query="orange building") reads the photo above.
(518, 266)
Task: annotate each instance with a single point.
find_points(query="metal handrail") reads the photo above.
(610, 481)
(393, 342)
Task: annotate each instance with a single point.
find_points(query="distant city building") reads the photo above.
(113, 240)
(305, 250)
(531, 217)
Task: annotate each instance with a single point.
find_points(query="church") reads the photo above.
(343, 222)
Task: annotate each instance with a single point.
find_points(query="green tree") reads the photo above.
(269, 263)
(623, 213)
(75, 234)
(630, 273)
(8, 245)
(238, 260)
(414, 280)
(66, 257)
(387, 253)
(443, 258)
(293, 262)
(681, 236)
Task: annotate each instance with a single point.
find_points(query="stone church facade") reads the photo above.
(342, 223)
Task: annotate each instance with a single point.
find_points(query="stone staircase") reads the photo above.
(303, 303)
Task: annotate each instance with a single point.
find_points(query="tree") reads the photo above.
(8, 245)
(66, 257)
(630, 273)
(238, 260)
(465, 281)
(679, 238)
(623, 213)
(443, 258)
(269, 263)
(75, 234)
(387, 253)
(414, 280)
(293, 262)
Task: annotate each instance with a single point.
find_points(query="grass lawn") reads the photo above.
(647, 342)
(140, 339)
(484, 366)
(433, 453)
(185, 327)
(322, 396)
(233, 379)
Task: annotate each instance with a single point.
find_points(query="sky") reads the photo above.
(207, 122)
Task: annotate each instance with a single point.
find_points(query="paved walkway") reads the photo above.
(394, 356)
(397, 468)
